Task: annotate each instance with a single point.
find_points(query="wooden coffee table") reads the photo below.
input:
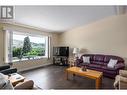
(92, 74)
(15, 78)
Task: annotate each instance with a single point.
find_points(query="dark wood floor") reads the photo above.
(54, 77)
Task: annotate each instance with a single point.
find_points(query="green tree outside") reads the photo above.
(26, 45)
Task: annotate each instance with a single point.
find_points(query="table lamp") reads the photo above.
(75, 52)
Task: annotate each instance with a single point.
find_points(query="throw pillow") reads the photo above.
(112, 63)
(86, 59)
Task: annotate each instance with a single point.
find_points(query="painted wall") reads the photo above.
(29, 64)
(107, 36)
(1, 45)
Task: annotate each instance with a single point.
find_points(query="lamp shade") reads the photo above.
(75, 50)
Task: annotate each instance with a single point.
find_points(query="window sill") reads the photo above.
(44, 57)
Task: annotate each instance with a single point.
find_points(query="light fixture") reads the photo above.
(75, 52)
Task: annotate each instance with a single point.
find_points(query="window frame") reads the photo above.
(9, 45)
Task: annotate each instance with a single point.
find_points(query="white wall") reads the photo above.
(107, 36)
(29, 64)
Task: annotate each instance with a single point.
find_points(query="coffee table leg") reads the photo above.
(98, 83)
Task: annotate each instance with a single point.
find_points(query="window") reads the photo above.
(22, 46)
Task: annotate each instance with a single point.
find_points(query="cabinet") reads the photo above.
(60, 60)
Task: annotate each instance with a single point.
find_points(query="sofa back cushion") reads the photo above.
(108, 57)
(99, 58)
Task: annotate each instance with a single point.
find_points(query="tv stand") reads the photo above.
(60, 60)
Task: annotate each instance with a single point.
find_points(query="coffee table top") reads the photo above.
(88, 73)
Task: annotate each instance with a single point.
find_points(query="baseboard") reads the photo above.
(35, 67)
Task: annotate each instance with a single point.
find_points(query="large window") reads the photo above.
(22, 46)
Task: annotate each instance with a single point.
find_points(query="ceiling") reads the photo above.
(61, 18)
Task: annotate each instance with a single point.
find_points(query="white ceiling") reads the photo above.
(61, 18)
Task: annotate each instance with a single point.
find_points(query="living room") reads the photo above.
(95, 30)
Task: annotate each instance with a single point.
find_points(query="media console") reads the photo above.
(60, 56)
(60, 60)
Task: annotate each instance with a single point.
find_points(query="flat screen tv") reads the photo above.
(60, 51)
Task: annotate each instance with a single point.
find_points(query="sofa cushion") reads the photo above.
(107, 68)
(112, 73)
(99, 63)
(94, 65)
(99, 58)
(84, 64)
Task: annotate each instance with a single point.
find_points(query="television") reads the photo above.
(61, 51)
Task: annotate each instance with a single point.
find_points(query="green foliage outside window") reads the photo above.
(17, 52)
(27, 51)
(26, 45)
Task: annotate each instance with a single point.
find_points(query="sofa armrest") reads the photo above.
(120, 66)
(4, 67)
(25, 85)
(9, 71)
(123, 73)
